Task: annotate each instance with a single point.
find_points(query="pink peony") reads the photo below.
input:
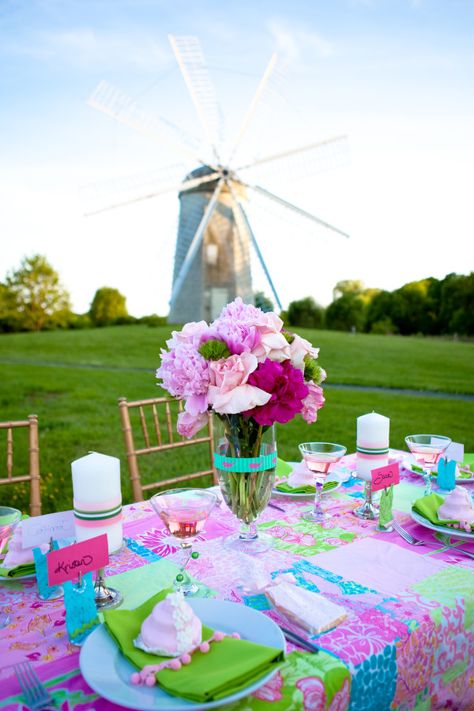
(312, 403)
(185, 374)
(287, 388)
(246, 328)
(193, 332)
(229, 391)
(188, 425)
(299, 348)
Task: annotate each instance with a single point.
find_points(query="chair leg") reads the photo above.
(130, 450)
(35, 487)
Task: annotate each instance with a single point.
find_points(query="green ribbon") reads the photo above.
(245, 464)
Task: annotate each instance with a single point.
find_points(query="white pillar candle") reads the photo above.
(97, 498)
(373, 435)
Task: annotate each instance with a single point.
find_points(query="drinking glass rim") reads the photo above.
(409, 439)
(337, 447)
(209, 495)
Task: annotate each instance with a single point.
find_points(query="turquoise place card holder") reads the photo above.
(46, 591)
(446, 474)
(81, 610)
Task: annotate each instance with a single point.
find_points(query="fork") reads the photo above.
(34, 692)
(445, 540)
(406, 535)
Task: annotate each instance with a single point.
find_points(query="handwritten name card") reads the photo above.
(80, 558)
(383, 477)
(40, 529)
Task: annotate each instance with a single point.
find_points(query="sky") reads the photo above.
(394, 76)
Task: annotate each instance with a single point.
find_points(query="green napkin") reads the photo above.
(468, 462)
(19, 571)
(428, 507)
(307, 489)
(282, 468)
(228, 667)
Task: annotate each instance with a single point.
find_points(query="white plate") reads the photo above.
(275, 492)
(406, 464)
(446, 530)
(108, 672)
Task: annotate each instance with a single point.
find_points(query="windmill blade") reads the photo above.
(243, 224)
(196, 241)
(253, 105)
(294, 208)
(114, 102)
(181, 187)
(192, 64)
(330, 148)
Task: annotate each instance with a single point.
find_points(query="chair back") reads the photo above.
(153, 421)
(33, 475)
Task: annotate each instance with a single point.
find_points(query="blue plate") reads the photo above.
(108, 672)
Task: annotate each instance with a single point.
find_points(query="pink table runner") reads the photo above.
(407, 643)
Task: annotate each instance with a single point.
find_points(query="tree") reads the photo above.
(347, 286)
(263, 302)
(35, 296)
(346, 313)
(306, 313)
(108, 306)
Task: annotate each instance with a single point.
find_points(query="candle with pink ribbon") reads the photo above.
(97, 498)
(373, 433)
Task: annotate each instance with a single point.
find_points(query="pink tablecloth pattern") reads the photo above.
(407, 642)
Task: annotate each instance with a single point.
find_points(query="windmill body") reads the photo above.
(212, 263)
(221, 268)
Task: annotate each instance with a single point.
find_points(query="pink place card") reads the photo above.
(383, 477)
(66, 563)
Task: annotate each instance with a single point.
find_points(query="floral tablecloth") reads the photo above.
(407, 643)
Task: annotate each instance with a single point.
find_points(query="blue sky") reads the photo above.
(394, 75)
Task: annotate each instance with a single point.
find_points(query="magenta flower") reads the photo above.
(287, 388)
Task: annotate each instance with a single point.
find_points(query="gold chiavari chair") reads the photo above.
(33, 475)
(153, 422)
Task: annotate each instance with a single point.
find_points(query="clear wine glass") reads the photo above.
(318, 457)
(184, 513)
(427, 449)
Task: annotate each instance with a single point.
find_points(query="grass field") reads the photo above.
(72, 381)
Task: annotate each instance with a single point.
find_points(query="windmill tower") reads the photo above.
(212, 263)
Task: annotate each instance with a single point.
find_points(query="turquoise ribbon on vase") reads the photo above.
(245, 464)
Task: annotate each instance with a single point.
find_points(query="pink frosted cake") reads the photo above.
(458, 506)
(171, 629)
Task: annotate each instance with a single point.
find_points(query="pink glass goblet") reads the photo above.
(427, 449)
(318, 457)
(184, 513)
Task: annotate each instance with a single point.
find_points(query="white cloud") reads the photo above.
(292, 41)
(86, 47)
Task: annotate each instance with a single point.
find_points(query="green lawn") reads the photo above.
(72, 381)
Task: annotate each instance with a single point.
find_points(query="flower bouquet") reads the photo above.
(250, 373)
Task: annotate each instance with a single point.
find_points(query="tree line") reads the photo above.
(432, 307)
(32, 298)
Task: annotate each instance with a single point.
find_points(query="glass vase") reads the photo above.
(245, 460)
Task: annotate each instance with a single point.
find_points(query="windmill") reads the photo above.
(215, 240)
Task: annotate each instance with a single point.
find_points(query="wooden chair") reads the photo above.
(33, 459)
(161, 414)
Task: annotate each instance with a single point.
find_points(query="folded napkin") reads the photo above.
(19, 561)
(307, 489)
(19, 572)
(468, 462)
(282, 468)
(428, 507)
(228, 667)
